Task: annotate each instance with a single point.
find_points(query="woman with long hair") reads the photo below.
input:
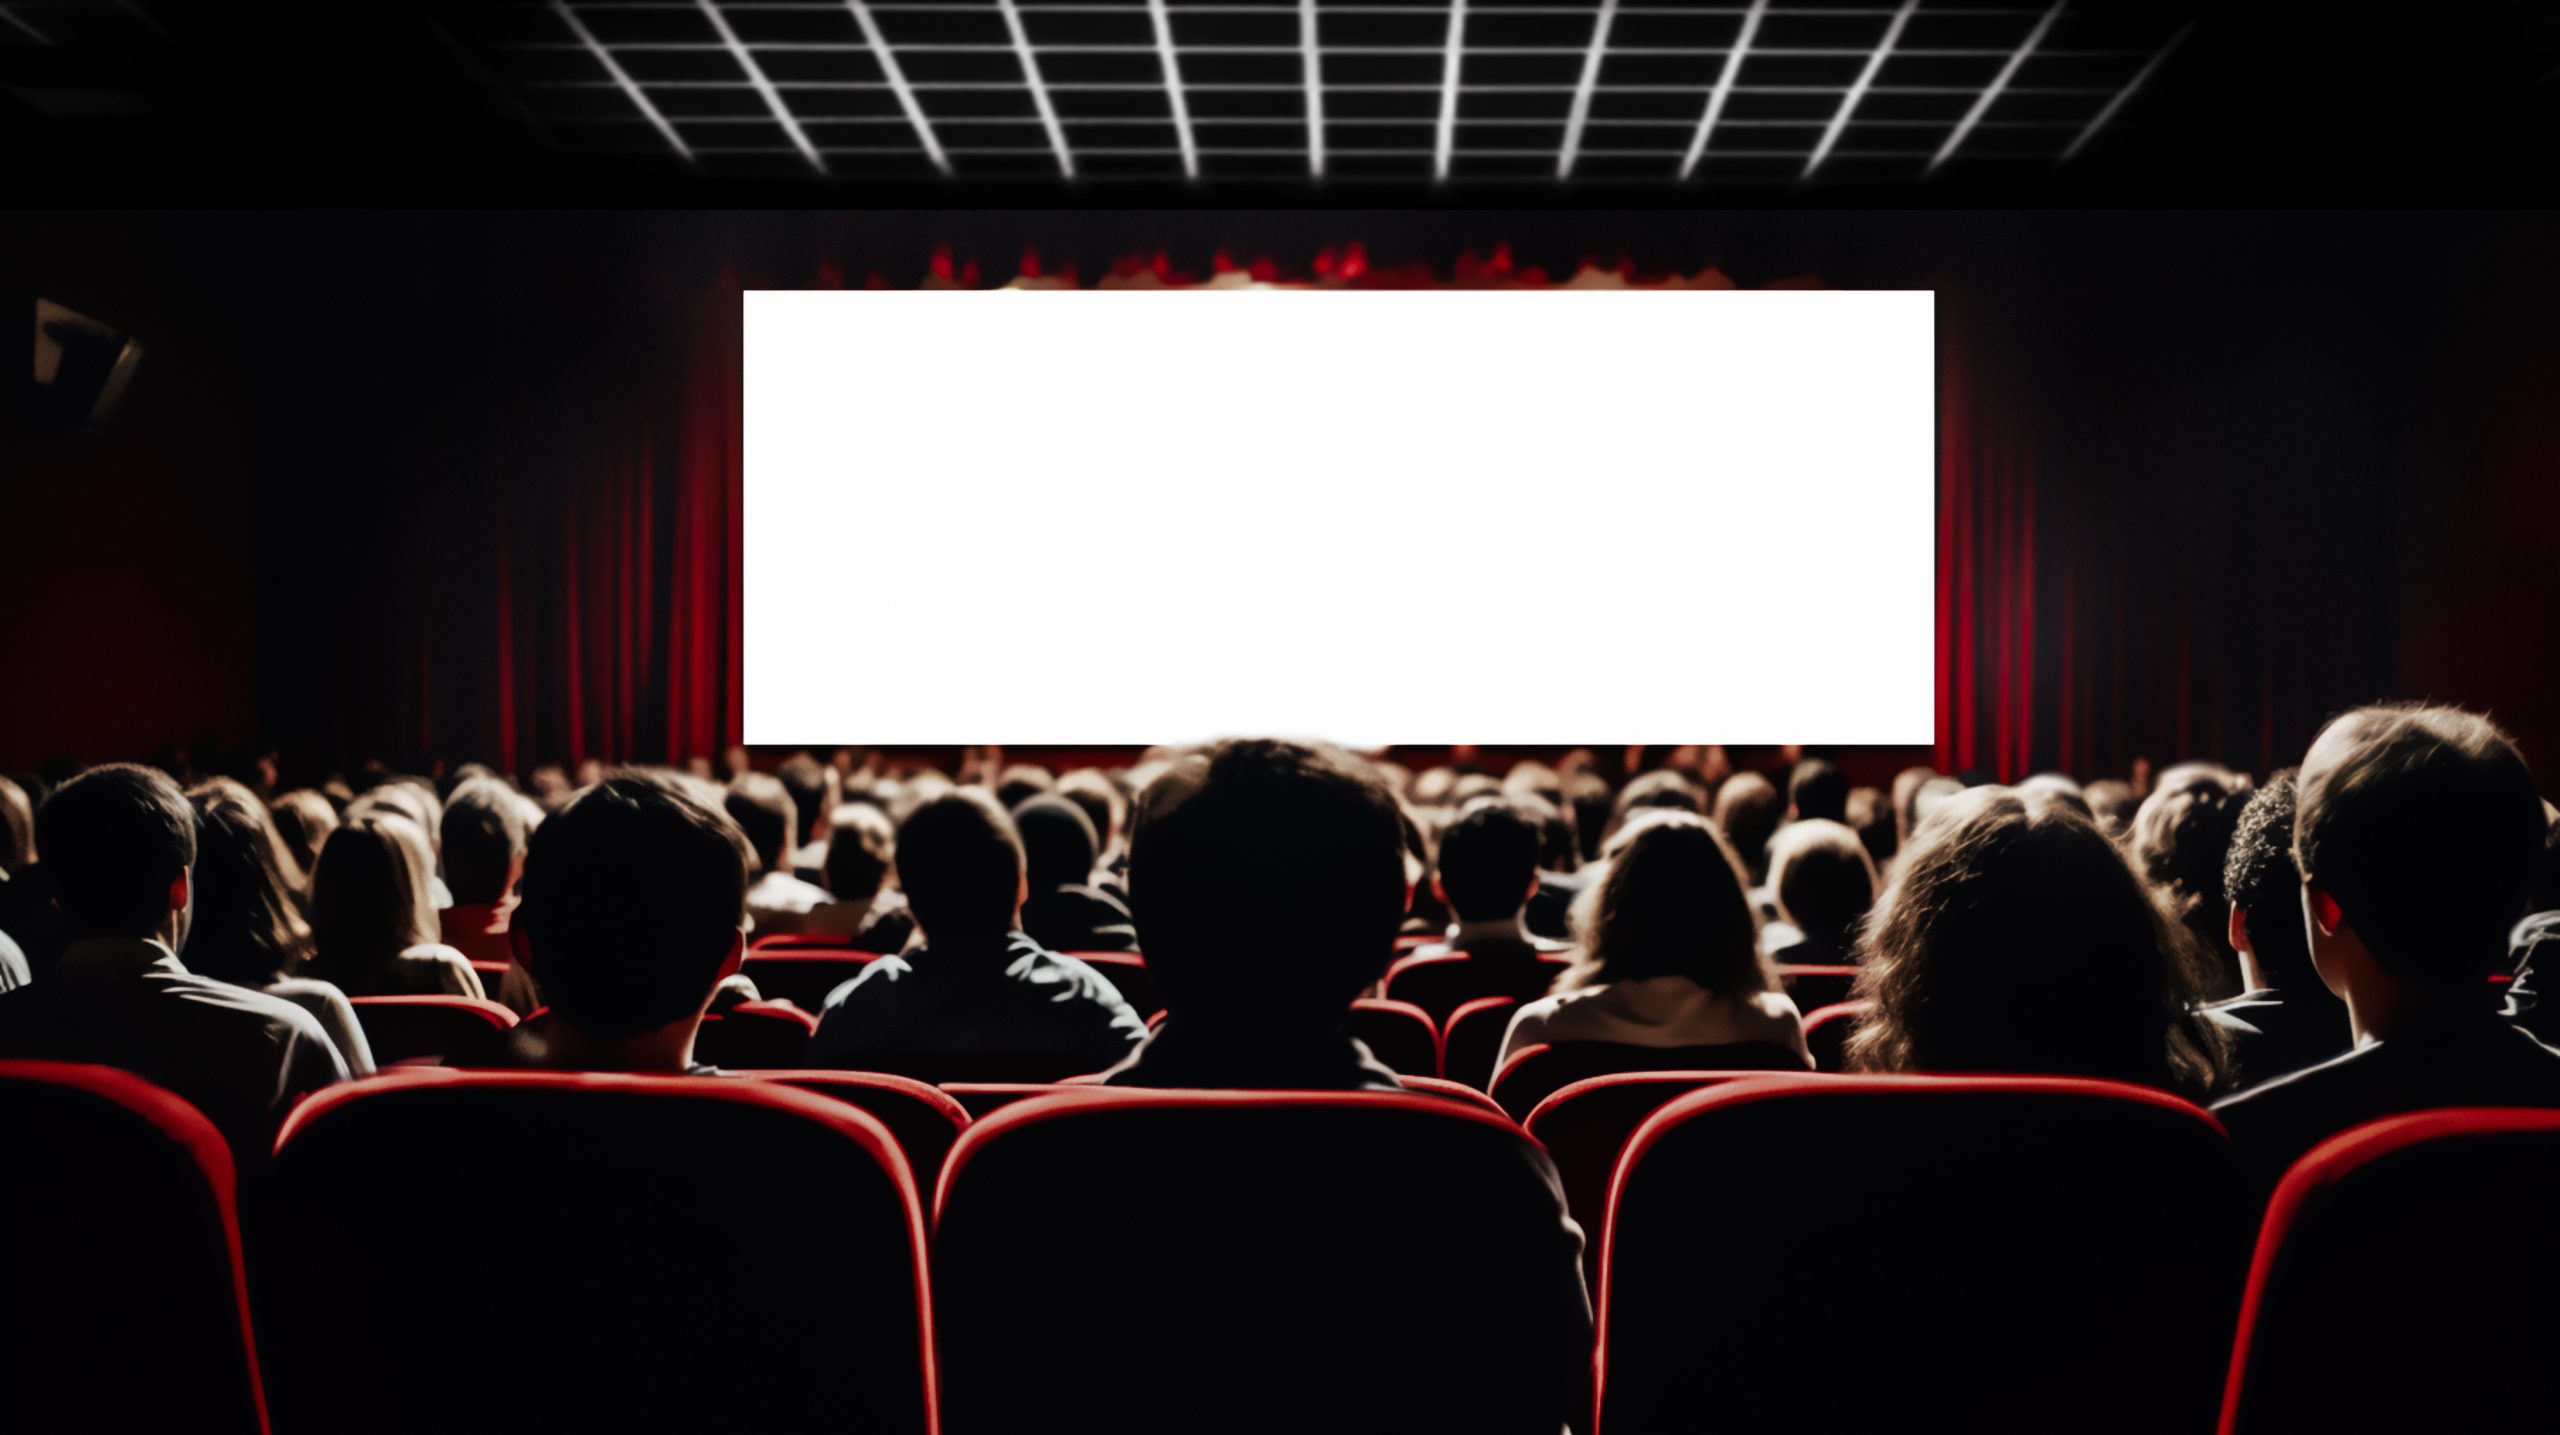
(1670, 950)
(244, 926)
(2017, 939)
(372, 919)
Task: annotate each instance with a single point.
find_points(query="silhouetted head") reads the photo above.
(2015, 938)
(17, 829)
(1673, 903)
(1059, 844)
(962, 864)
(484, 837)
(1823, 878)
(2112, 803)
(634, 906)
(2264, 888)
(861, 849)
(370, 898)
(306, 819)
(1871, 817)
(804, 779)
(1103, 803)
(1818, 790)
(1489, 861)
(1268, 881)
(2181, 834)
(1022, 782)
(1749, 810)
(117, 842)
(761, 806)
(1906, 800)
(246, 927)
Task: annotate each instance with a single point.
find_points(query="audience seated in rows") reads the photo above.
(2284, 1019)
(485, 823)
(780, 901)
(119, 845)
(1065, 911)
(246, 927)
(866, 911)
(373, 924)
(2016, 939)
(1670, 952)
(2419, 836)
(977, 986)
(1489, 873)
(2180, 836)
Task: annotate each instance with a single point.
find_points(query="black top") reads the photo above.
(1077, 918)
(2458, 1059)
(2275, 1032)
(1013, 997)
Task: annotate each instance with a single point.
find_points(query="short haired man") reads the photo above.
(978, 996)
(1488, 876)
(1817, 791)
(633, 912)
(119, 845)
(1823, 883)
(781, 900)
(2284, 1019)
(2417, 831)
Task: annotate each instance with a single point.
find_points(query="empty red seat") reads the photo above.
(1587, 1124)
(802, 976)
(1260, 1252)
(458, 1029)
(121, 1300)
(1827, 1029)
(1811, 986)
(1441, 982)
(1398, 1034)
(2403, 1282)
(1472, 1040)
(590, 1225)
(754, 1035)
(2008, 1254)
(925, 1119)
(1127, 972)
(1533, 1073)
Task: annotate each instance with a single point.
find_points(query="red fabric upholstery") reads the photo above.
(1441, 982)
(1399, 1034)
(491, 973)
(611, 1265)
(1127, 972)
(803, 941)
(1473, 1039)
(122, 1305)
(925, 1119)
(1284, 1234)
(752, 1036)
(1810, 986)
(1827, 1029)
(984, 1098)
(802, 976)
(1533, 1073)
(2061, 1250)
(2403, 1281)
(1454, 1090)
(442, 1028)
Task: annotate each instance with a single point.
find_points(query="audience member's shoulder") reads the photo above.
(2276, 1097)
(877, 975)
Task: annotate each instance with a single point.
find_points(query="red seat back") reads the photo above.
(925, 1119)
(1453, 1090)
(985, 1098)
(1473, 1039)
(591, 1223)
(1398, 1034)
(457, 1029)
(1827, 1029)
(1809, 985)
(802, 976)
(124, 1307)
(1533, 1073)
(2403, 1281)
(1276, 1233)
(1441, 982)
(751, 1036)
(2059, 1250)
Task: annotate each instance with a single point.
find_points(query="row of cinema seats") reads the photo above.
(442, 1250)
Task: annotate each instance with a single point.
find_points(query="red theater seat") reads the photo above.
(753, 1036)
(458, 1029)
(1398, 1034)
(2404, 1282)
(925, 1119)
(121, 1302)
(985, 1098)
(1586, 1125)
(1812, 986)
(1453, 1090)
(1442, 982)
(1533, 1073)
(1473, 1039)
(1827, 1029)
(616, 1269)
(491, 973)
(802, 976)
(1280, 1239)
(1127, 972)
(2013, 1254)
(802, 942)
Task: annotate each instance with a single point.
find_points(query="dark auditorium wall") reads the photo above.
(2206, 477)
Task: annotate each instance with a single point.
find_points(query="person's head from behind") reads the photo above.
(1059, 845)
(1104, 805)
(118, 842)
(1021, 782)
(370, 899)
(2264, 889)
(1268, 880)
(1817, 790)
(961, 863)
(1674, 902)
(17, 829)
(2419, 834)
(809, 783)
(761, 806)
(246, 928)
(2015, 938)
(1748, 810)
(1871, 817)
(2181, 834)
(1823, 878)
(305, 818)
(1489, 861)
(484, 837)
(2112, 803)
(2055, 787)
(1906, 800)
(634, 908)
(861, 848)
(412, 798)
